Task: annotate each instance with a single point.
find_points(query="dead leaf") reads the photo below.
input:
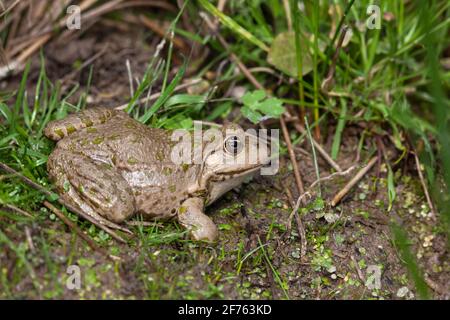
(282, 54)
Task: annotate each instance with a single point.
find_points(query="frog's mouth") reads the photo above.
(233, 172)
(223, 182)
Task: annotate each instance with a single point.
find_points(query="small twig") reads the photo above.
(320, 149)
(316, 166)
(233, 57)
(303, 152)
(424, 186)
(16, 64)
(18, 210)
(64, 203)
(361, 173)
(300, 226)
(45, 35)
(295, 209)
(5, 11)
(340, 255)
(42, 39)
(78, 231)
(287, 10)
(86, 63)
(289, 195)
(29, 239)
(358, 269)
(152, 25)
(298, 178)
(434, 286)
(130, 77)
(331, 176)
(326, 84)
(72, 226)
(339, 27)
(302, 235)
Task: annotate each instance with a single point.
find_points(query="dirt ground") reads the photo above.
(348, 248)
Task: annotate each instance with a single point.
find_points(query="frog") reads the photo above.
(113, 167)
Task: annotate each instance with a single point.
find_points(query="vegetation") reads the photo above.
(322, 65)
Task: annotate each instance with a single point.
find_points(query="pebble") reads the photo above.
(401, 293)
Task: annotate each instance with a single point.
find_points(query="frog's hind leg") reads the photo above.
(94, 188)
(58, 129)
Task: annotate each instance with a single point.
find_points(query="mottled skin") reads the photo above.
(111, 167)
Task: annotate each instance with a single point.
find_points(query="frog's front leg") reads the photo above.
(94, 188)
(192, 217)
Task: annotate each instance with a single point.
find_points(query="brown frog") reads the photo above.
(111, 167)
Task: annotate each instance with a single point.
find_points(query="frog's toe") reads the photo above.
(191, 216)
(205, 233)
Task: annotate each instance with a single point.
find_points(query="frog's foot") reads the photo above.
(72, 197)
(94, 188)
(192, 217)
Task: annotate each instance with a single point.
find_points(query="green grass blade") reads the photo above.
(233, 25)
(404, 247)
(339, 129)
(164, 96)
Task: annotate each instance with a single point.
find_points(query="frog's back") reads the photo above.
(113, 137)
(58, 129)
(100, 128)
(131, 141)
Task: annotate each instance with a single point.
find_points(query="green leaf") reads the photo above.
(186, 123)
(4, 110)
(255, 107)
(178, 121)
(224, 226)
(272, 107)
(184, 99)
(251, 115)
(391, 188)
(282, 55)
(250, 99)
(6, 140)
(221, 109)
(53, 197)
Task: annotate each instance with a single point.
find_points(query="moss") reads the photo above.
(98, 140)
(132, 160)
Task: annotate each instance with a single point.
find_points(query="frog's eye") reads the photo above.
(233, 145)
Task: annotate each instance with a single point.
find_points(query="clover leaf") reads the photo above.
(258, 107)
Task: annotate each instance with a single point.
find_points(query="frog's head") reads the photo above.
(231, 157)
